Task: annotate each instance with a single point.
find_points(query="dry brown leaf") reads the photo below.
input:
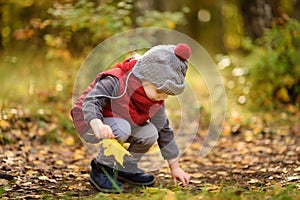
(253, 181)
(69, 141)
(43, 178)
(293, 178)
(59, 162)
(4, 125)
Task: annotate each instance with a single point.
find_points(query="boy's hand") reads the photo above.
(101, 131)
(178, 173)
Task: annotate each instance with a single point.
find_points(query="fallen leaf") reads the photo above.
(195, 181)
(153, 190)
(69, 141)
(4, 125)
(293, 178)
(78, 154)
(27, 184)
(72, 187)
(197, 175)
(3, 182)
(253, 181)
(43, 178)
(170, 195)
(113, 148)
(297, 169)
(222, 173)
(52, 180)
(59, 162)
(31, 172)
(212, 188)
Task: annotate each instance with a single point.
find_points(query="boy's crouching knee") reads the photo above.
(150, 140)
(150, 135)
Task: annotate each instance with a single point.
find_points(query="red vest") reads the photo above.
(134, 106)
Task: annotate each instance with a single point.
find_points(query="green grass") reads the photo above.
(274, 192)
(223, 192)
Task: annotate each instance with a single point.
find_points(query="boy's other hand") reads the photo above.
(101, 131)
(178, 173)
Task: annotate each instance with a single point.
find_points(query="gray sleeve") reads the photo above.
(97, 98)
(166, 140)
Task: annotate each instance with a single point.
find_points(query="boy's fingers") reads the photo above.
(108, 130)
(183, 181)
(186, 181)
(97, 135)
(175, 181)
(187, 178)
(111, 136)
(109, 133)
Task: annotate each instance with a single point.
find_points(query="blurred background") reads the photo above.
(255, 44)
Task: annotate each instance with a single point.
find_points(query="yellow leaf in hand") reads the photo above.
(113, 148)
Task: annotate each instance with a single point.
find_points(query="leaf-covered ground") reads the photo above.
(32, 168)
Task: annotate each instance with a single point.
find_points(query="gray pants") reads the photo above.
(141, 138)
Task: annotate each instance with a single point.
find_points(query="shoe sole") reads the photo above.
(106, 190)
(136, 183)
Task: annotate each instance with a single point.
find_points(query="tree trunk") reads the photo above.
(296, 13)
(258, 16)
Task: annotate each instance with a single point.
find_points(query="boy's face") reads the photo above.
(152, 92)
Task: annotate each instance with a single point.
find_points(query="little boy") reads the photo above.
(127, 103)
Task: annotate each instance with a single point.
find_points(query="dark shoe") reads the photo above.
(136, 176)
(102, 177)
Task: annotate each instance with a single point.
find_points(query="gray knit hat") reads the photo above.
(165, 66)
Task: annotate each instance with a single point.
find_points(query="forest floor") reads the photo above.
(34, 169)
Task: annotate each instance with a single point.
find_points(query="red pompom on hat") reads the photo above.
(183, 51)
